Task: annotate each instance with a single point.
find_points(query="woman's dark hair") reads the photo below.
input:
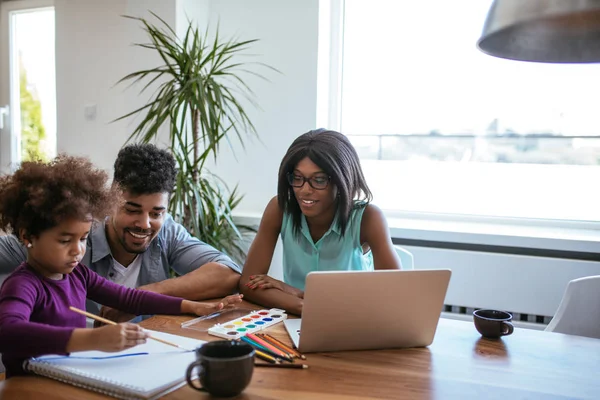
(145, 169)
(336, 156)
(41, 195)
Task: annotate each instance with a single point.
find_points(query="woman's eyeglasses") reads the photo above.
(315, 182)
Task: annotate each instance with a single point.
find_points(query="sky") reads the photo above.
(412, 67)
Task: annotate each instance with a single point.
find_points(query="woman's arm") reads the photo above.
(258, 261)
(374, 231)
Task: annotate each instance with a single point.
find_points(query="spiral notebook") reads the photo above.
(146, 371)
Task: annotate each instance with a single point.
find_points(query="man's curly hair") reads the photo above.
(41, 195)
(145, 169)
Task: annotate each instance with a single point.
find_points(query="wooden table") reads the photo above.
(458, 365)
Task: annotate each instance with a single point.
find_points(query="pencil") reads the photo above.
(109, 322)
(266, 357)
(296, 353)
(296, 366)
(281, 345)
(276, 345)
(269, 346)
(262, 348)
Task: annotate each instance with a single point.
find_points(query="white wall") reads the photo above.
(288, 33)
(196, 11)
(94, 50)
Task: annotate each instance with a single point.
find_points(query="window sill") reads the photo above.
(570, 239)
(544, 235)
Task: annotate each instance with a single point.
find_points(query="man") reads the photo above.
(140, 243)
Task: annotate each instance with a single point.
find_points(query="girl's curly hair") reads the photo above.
(40, 195)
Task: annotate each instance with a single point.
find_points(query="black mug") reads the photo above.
(225, 367)
(492, 323)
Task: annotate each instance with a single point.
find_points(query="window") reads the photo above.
(443, 128)
(27, 82)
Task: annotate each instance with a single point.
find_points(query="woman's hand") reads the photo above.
(200, 308)
(118, 337)
(264, 281)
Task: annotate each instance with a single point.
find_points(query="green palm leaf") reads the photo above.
(200, 92)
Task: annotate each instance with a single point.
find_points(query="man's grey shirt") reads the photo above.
(173, 248)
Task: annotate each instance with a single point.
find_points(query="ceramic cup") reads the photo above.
(225, 367)
(493, 324)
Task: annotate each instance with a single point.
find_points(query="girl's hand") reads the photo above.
(199, 308)
(118, 337)
(264, 282)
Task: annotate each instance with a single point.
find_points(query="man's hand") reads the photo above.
(113, 315)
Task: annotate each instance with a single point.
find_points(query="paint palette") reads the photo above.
(250, 323)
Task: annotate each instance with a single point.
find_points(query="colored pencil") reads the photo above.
(109, 322)
(266, 357)
(278, 342)
(260, 347)
(289, 349)
(297, 366)
(281, 345)
(269, 346)
(276, 345)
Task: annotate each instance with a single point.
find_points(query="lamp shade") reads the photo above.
(552, 31)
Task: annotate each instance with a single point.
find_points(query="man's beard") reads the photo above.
(136, 249)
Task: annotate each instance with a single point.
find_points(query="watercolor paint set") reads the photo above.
(249, 323)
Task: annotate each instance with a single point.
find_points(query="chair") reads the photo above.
(406, 258)
(579, 309)
(2, 278)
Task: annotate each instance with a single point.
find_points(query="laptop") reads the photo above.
(361, 310)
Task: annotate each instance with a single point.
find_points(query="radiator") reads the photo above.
(528, 287)
(520, 320)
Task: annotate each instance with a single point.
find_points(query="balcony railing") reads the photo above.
(498, 148)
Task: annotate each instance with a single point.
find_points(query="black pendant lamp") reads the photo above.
(551, 31)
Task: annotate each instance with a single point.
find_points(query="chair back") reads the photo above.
(2, 278)
(406, 258)
(579, 309)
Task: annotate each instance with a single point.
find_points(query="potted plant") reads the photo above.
(199, 94)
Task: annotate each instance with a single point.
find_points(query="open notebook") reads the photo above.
(146, 371)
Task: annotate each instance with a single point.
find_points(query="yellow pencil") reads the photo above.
(109, 322)
(266, 357)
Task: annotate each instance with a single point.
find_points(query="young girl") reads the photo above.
(50, 206)
(323, 215)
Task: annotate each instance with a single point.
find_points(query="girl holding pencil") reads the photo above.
(323, 214)
(51, 207)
